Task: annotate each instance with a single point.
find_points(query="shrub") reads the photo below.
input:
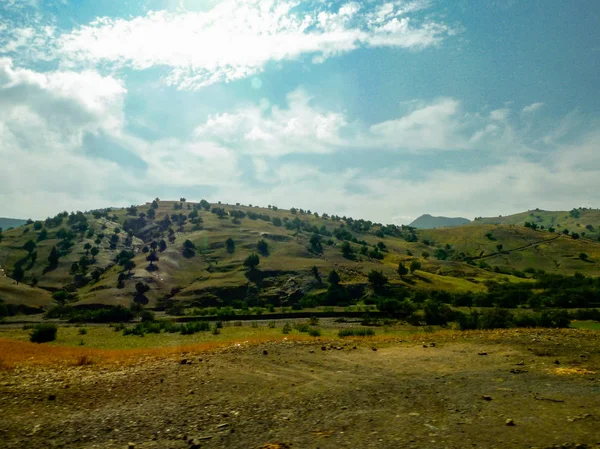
(82, 331)
(302, 327)
(356, 332)
(287, 328)
(314, 332)
(43, 333)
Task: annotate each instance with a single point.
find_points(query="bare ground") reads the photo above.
(456, 394)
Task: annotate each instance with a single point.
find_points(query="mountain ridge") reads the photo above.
(427, 221)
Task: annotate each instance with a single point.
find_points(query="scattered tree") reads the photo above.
(333, 278)
(53, 257)
(402, 270)
(377, 280)
(29, 246)
(162, 245)
(415, 265)
(152, 257)
(263, 247)
(230, 245)
(189, 249)
(18, 274)
(252, 261)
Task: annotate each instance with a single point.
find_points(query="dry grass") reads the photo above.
(14, 353)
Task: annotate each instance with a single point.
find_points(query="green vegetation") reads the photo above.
(43, 333)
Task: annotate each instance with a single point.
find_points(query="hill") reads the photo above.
(171, 254)
(6, 223)
(584, 221)
(427, 221)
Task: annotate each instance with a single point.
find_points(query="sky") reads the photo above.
(382, 110)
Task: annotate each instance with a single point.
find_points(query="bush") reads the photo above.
(82, 331)
(287, 328)
(314, 332)
(43, 333)
(356, 332)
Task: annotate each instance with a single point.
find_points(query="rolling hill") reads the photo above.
(584, 221)
(197, 267)
(427, 221)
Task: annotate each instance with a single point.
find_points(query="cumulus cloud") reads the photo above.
(532, 108)
(237, 38)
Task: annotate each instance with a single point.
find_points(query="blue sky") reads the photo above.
(380, 110)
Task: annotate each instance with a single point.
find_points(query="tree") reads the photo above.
(162, 245)
(153, 245)
(53, 257)
(333, 278)
(499, 247)
(574, 235)
(315, 271)
(43, 235)
(425, 254)
(415, 265)
(263, 247)
(18, 274)
(87, 247)
(230, 245)
(151, 214)
(189, 249)
(152, 257)
(29, 246)
(132, 210)
(204, 204)
(583, 256)
(402, 270)
(315, 244)
(347, 250)
(94, 252)
(377, 280)
(252, 261)
(129, 265)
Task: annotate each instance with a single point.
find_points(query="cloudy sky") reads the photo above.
(377, 110)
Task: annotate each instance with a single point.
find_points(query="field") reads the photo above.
(253, 387)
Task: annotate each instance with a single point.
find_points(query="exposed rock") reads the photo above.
(510, 422)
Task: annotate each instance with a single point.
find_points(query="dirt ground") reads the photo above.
(509, 389)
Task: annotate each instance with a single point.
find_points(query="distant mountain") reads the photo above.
(429, 222)
(6, 223)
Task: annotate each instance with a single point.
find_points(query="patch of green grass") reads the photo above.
(591, 325)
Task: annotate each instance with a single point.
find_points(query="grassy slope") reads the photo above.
(558, 219)
(289, 262)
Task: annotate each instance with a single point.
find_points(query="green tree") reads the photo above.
(377, 280)
(94, 252)
(415, 265)
(347, 251)
(315, 244)
(204, 204)
(29, 246)
(263, 247)
(53, 257)
(230, 245)
(129, 265)
(18, 274)
(583, 256)
(402, 270)
(162, 245)
(189, 249)
(152, 257)
(333, 278)
(43, 235)
(499, 247)
(87, 247)
(425, 254)
(252, 261)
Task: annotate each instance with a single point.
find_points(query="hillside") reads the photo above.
(6, 223)
(427, 221)
(302, 248)
(583, 221)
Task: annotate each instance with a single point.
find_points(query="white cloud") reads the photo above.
(532, 108)
(236, 39)
(301, 128)
(500, 114)
(43, 120)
